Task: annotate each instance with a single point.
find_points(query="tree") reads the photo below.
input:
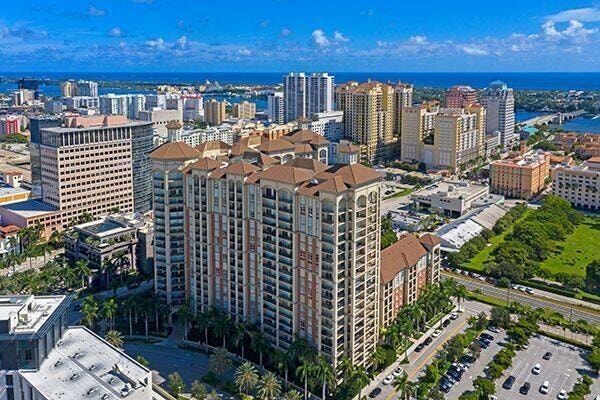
(198, 390)
(592, 277)
(282, 360)
(83, 271)
(115, 338)
(378, 357)
(292, 395)
(269, 387)
(362, 378)
(594, 359)
(109, 309)
(219, 361)
(246, 377)
(400, 384)
(305, 371)
(346, 367)
(484, 386)
(142, 361)
(460, 293)
(184, 313)
(239, 336)
(324, 373)
(500, 316)
(260, 345)
(221, 327)
(175, 383)
(89, 309)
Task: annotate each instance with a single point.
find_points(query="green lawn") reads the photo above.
(401, 193)
(484, 255)
(580, 249)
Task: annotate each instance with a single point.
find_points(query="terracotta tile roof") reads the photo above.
(174, 151)
(303, 148)
(9, 230)
(204, 164)
(306, 136)
(252, 141)
(286, 174)
(173, 125)
(334, 184)
(348, 148)
(356, 174)
(275, 145)
(240, 168)
(594, 159)
(239, 148)
(430, 240)
(213, 145)
(406, 252)
(308, 163)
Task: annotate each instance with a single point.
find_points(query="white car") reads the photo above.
(436, 333)
(562, 395)
(545, 388)
(537, 368)
(522, 289)
(481, 278)
(388, 379)
(453, 316)
(398, 372)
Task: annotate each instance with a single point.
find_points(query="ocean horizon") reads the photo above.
(516, 80)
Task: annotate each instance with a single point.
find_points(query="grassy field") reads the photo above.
(580, 249)
(401, 193)
(484, 255)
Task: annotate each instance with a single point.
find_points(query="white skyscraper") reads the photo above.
(499, 102)
(305, 95)
(87, 88)
(275, 107)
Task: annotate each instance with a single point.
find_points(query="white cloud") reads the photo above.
(319, 38)
(588, 14)
(340, 37)
(158, 43)
(96, 12)
(115, 32)
(244, 52)
(474, 50)
(182, 43)
(285, 32)
(575, 32)
(418, 39)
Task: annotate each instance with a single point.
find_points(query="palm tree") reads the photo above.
(115, 338)
(221, 326)
(246, 377)
(269, 387)
(346, 367)
(305, 370)
(185, 314)
(400, 384)
(292, 395)
(460, 293)
(90, 311)
(219, 361)
(82, 270)
(204, 321)
(109, 310)
(129, 305)
(198, 390)
(56, 240)
(239, 335)
(362, 377)
(120, 259)
(260, 345)
(282, 361)
(378, 357)
(324, 373)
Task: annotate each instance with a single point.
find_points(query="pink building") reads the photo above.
(460, 96)
(10, 125)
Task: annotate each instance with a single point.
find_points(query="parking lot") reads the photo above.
(476, 369)
(562, 370)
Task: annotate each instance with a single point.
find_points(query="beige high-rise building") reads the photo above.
(418, 124)
(68, 89)
(369, 118)
(579, 184)
(215, 112)
(403, 93)
(244, 110)
(521, 177)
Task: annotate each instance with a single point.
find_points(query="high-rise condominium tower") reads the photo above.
(460, 96)
(499, 102)
(275, 107)
(304, 95)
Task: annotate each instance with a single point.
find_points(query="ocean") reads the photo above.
(516, 80)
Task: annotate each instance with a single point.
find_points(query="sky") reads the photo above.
(285, 35)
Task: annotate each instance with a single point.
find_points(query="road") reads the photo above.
(418, 361)
(532, 300)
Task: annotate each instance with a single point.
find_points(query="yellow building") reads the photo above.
(521, 177)
(215, 112)
(244, 110)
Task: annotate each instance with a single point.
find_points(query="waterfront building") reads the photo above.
(193, 107)
(522, 177)
(304, 95)
(244, 110)
(215, 112)
(129, 105)
(578, 184)
(77, 102)
(275, 107)
(499, 103)
(460, 96)
(86, 88)
(68, 89)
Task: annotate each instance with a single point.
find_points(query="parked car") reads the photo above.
(428, 341)
(522, 289)
(525, 388)
(487, 336)
(398, 372)
(537, 368)
(547, 356)
(562, 395)
(375, 392)
(446, 323)
(388, 379)
(545, 388)
(509, 382)
(529, 290)
(453, 316)
(436, 333)
(419, 347)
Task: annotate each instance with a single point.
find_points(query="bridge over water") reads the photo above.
(557, 118)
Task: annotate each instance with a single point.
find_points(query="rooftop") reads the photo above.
(406, 252)
(84, 366)
(26, 314)
(451, 189)
(104, 227)
(29, 208)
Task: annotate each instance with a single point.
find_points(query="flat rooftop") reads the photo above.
(10, 191)
(451, 189)
(29, 208)
(31, 312)
(84, 366)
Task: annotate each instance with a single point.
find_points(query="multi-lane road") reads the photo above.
(535, 301)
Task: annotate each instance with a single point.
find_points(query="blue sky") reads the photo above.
(281, 35)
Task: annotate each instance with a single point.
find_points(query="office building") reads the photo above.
(418, 126)
(78, 102)
(45, 359)
(460, 96)
(29, 84)
(86, 88)
(522, 177)
(449, 198)
(369, 119)
(36, 124)
(22, 97)
(215, 112)
(579, 184)
(10, 124)
(499, 103)
(159, 119)
(403, 93)
(244, 110)
(68, 89)
(304, 95)
(327, 124)
(53, 106)
(407, 267)
(129, 105)
(275, 107)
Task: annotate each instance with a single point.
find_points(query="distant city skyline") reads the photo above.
(183, 36)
